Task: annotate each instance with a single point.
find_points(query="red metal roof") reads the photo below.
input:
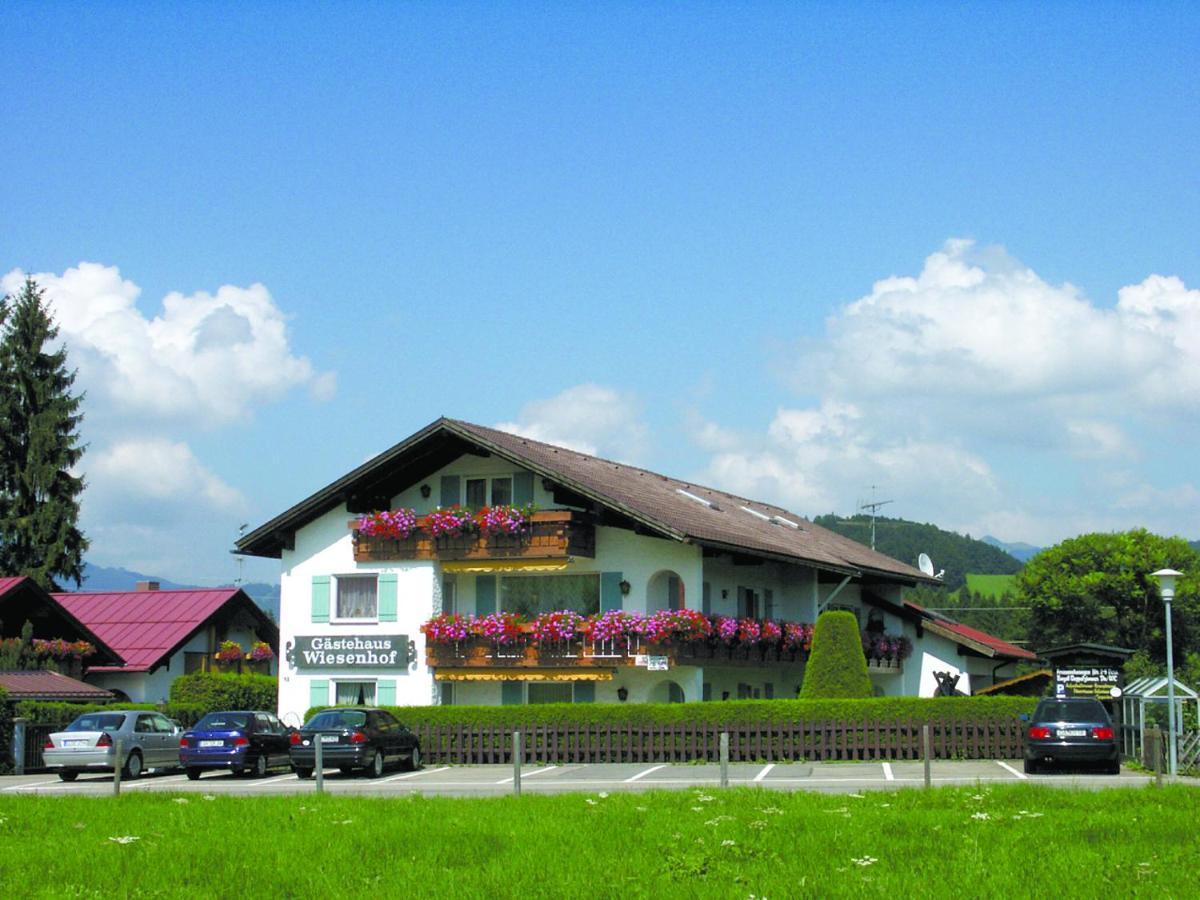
(7, 584)
(145, 626)
(42, 685)
(1004, 648)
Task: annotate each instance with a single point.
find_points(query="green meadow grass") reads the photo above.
(994, 586)
(1005, 841)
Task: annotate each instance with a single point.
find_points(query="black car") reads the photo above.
(1073, 730)
(243, 741)
(354, 738)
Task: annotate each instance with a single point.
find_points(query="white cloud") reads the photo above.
(589, 418)
(205, 358)
(159, 470)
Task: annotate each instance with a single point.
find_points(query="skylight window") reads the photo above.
(756, 514)
(780, 520)
(692, 496)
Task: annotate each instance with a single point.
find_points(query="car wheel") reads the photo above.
(414, 761)
(132, 769)
(375, 766)
(1031, 767)
(303, 772)
(260, 766)
(193, 773)
(68, 776)
(1113, 768)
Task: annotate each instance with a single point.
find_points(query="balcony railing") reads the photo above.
(582, 653)
(551, 534)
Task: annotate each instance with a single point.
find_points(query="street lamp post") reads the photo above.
(1166, 582)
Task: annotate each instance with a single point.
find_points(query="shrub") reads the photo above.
(59, 715)
(836, 666)
(221, 690)
(6, 717)
(916, 710)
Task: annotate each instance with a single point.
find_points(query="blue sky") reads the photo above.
(788, 250)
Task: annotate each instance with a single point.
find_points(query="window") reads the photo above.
(531, 595)
(357, 597)
(354, 693)
(98, 722)
(144, 725)
(477, 493)
(550, 692)
(337, 718)
(706, 600)
(449, 595)
(447, 697)
(748, 605)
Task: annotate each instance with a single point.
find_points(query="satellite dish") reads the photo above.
(925, 564)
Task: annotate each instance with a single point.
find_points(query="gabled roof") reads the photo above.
(41, 685)
(147, 627)
(966, 636)
(23, 598)
(654, 503)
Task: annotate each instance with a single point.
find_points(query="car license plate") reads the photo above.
(1072, 732)
(212, 743)
(74, 743)
(329, 739)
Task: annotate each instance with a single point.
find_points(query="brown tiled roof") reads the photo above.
(659, 503)
(42, 685)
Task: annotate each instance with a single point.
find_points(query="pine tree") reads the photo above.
(39, 446)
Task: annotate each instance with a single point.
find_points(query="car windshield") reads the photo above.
(337, 718)
(1061, 711)
(223, 722)
(97, 722)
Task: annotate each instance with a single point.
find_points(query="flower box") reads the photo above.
(549, 534)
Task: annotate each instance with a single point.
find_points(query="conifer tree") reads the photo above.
(39, 446)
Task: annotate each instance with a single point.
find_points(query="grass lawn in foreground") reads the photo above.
(1012, 841)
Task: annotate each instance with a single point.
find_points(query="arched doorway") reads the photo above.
(667, 692)
(664, 591)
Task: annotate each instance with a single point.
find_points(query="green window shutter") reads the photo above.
(511, 693)
(385, 692)
(318, 692)
(610, 591)
(585, 692)
(522, 488)
(450, 490)
(387, 597)
(320, 598)
(485, 595)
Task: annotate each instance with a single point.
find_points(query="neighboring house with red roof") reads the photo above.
(160, 635)
(51, 686)
(606, 538)
(23, 600)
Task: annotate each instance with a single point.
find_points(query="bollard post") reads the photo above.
(925, 753)
(516, 755)
(319, 762)
(18, 747)
(1156, 752)
(724, 759)
(117, 763)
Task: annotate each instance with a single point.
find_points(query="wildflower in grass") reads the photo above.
(697, 809)
(124, 838)
(589, 801)
(642, 808)
(705, 798)
(180, 800)
(857, 796)
(209, 797)
(728, 843)
(981, 816)
(864, 861)
(603, 795)
(759, 824)
(771, 811)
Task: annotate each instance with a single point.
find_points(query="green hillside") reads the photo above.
(903, 540)
(991, 586)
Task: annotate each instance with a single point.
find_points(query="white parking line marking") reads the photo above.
(641, 775)
(412, 775)
(28, 787)
(888, 775)
(763, 774)
(1005, 765)
(525, 775)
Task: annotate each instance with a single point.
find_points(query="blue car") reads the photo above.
(243, 742)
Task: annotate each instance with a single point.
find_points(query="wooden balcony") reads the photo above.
(478, 653)
(552, 534)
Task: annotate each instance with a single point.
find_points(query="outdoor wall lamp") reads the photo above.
(624, 585)
(426, 490)
(622, 694)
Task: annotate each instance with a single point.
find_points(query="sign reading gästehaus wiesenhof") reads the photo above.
(349, 651)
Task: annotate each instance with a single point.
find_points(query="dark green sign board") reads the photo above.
(348, 651)
(1098, 682)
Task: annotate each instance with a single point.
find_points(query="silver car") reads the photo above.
(148, 740)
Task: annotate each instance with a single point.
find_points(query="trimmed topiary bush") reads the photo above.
(837, 667)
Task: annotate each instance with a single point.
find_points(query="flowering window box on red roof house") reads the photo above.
(551, 534)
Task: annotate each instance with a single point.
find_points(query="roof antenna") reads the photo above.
(241, 559)
(873, 506)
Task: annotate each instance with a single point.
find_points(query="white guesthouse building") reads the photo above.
(605, 537)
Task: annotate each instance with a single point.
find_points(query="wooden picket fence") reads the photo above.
(748, 742)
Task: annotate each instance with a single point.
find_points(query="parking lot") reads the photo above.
(496, 780)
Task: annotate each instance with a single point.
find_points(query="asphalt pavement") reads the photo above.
(497, 780)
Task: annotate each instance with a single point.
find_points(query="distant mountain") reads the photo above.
(1023, 552)
(903, 540)
(101, 578)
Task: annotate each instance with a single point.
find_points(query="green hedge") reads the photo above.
(6, 716)
(222, 691)
(42, 712)
(729, 712)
